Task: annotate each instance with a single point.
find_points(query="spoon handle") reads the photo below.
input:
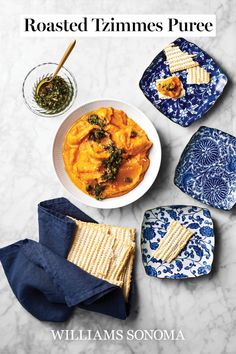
(63, 59)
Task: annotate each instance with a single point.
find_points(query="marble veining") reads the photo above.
(204, 308)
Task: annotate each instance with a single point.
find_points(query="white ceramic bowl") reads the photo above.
(155, 154)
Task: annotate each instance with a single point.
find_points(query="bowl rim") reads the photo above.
(74, 83)
(124, 201)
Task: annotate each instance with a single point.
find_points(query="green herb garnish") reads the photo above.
(89, 188)
(112, 164)
(95, 120)
(169, 87)
(96, 190)
(97, 135)
(54, 95)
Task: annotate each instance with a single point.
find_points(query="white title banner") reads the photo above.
(199, 25)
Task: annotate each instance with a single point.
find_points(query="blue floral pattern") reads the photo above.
(198, 99)
(207, 168)
(195, 259)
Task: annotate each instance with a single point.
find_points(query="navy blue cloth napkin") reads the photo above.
(45, 283)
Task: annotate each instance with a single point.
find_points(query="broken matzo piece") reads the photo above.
(179, 60)
(198, 76)
(173, 242)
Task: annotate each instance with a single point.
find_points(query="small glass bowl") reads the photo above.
(32, 79)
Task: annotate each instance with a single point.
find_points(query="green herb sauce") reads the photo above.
(96, 190)
(53, 96)
(95, 120)
(112, 164)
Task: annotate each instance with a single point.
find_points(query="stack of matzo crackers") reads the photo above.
(105, 251)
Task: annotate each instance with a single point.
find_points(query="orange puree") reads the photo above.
(170, 87)
(106, 153)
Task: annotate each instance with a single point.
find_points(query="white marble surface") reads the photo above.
(204, 308)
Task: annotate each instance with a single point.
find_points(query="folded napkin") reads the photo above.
(45, 283)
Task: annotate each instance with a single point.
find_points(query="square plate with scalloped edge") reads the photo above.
(197, 256)
(198, 99)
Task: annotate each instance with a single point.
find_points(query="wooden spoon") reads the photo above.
(47, 80)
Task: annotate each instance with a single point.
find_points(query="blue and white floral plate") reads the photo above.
(207, 168)
(198, 99)
(195, 259)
